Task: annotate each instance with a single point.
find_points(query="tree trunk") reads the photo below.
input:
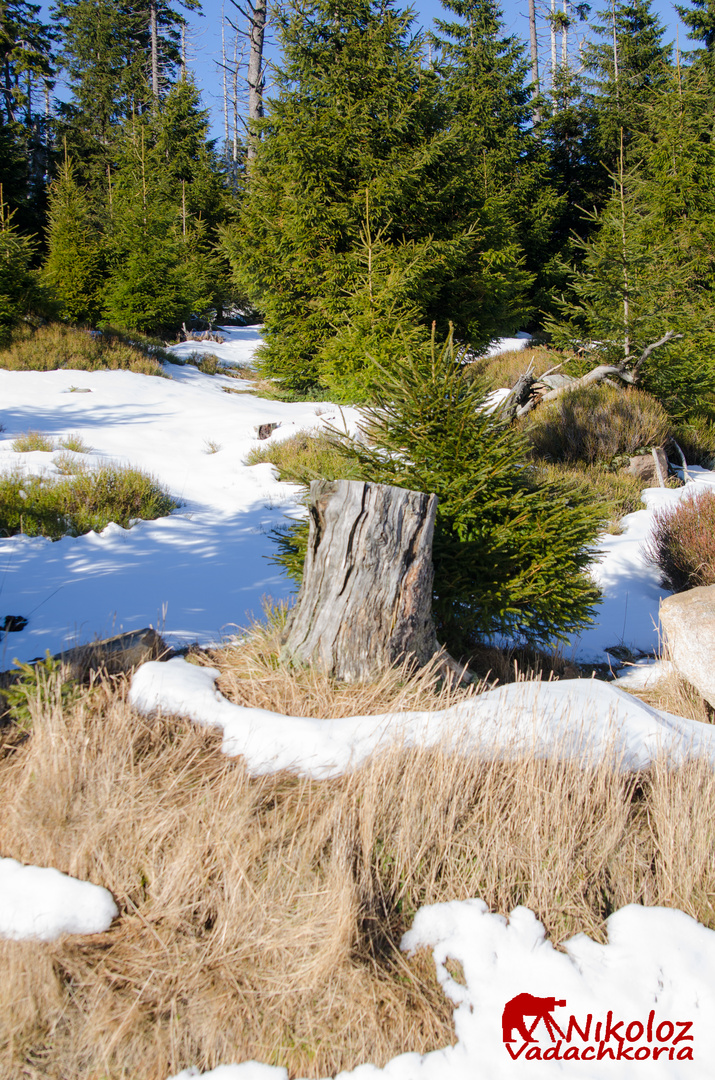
(257, 11)
(366, 598)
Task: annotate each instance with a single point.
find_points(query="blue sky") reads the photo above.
(204, 39)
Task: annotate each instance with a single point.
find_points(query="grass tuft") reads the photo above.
(682, 543)
(305, 456)
(76, 444)
(58, 346)
(86, 500)
(32, 441)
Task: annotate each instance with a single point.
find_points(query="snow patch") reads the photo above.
(582, 719)
(657, 970)
(39, 902)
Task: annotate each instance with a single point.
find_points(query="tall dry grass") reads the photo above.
(260, 917)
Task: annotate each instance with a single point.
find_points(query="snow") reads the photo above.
(195, 575)
(656, 976)
(509, 344)
(581, 719)
(38, 902)
(628, 613)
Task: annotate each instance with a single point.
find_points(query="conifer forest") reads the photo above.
(387, 179)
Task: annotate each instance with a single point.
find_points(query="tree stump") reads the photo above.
(366, 598)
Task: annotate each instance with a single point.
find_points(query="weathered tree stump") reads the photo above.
(366, 598)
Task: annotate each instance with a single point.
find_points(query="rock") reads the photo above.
(688, 623)
(266, 430)
(115, 654)
(644, 466)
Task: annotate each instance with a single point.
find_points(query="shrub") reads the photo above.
(88, 500)
(67, 464)
(682, 543)
(596, 424)
(32, 441)
(57, 346)
(510, 555)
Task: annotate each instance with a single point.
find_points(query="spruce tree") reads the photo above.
(647, 268)
(627, 66)
(500, 167)
(73, 269)
(510, 556)
(19, 291)
(160, 267)
(370, 119)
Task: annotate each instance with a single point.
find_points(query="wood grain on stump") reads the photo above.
(366, 598)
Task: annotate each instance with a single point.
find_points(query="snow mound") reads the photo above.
(582, 720)
(39, 902)
(649, 991)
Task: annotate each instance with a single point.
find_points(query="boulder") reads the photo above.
(646, 467)
(687, 620)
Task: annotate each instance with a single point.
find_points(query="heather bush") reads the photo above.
(596, 424)
(682, 543)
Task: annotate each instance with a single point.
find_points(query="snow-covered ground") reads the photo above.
(39, 902)
(201, 572)
(197, 574)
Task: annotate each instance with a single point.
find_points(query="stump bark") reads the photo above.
(366, 598)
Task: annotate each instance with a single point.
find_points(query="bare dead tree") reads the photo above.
(534, 55)
(255, 14)
(153, 30)
(628, 371)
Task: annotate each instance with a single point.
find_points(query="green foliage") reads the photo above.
(88, 500)
(649, 263)
(510, 555)
(49, 348)
(361, 225)
(19, 292)
(73, 269)
(596, 424)
(161, 267)
(42, 684)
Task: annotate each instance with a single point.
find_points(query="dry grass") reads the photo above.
(674, 695)
(260, 917)
(58, 346)
(618, 492)
(504, 370)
